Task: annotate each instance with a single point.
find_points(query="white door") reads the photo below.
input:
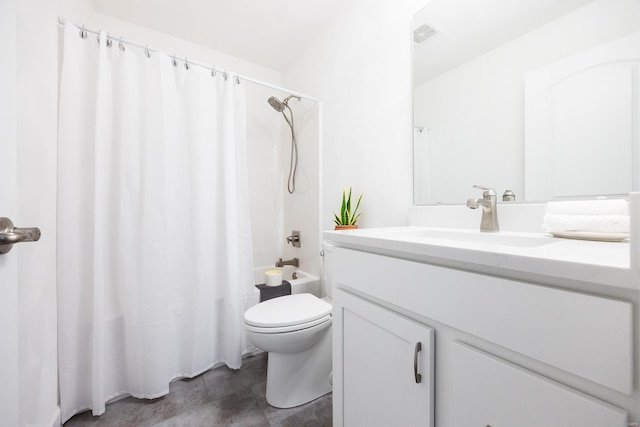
(8, 203)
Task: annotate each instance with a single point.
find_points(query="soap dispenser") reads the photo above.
(508, 196)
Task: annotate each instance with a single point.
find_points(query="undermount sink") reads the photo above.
(504, 238)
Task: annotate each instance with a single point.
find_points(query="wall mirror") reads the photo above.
(541, 97)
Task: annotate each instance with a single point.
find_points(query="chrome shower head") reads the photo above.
(276, 104)
(279, 105)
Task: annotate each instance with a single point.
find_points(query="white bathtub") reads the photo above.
(303, 283)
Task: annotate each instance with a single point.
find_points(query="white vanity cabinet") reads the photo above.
(502, 352)
(386, 365)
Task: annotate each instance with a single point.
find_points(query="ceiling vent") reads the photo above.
(423, 33)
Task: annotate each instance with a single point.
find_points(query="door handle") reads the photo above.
(417, 350)
(10, 235)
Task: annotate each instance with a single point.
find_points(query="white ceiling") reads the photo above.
(469, 28)
(265, 32)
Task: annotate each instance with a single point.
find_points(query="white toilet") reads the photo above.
(296, 331)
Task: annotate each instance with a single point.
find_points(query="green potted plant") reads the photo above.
(348, 218)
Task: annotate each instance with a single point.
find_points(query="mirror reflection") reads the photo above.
(539, 97)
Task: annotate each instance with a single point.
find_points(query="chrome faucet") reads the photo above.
(489, 205)
(295, 262)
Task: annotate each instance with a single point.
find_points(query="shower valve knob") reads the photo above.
(294, 239)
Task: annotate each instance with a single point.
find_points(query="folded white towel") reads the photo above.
(588, 223)
(589, 207)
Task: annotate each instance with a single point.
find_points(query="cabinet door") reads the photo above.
(479, 389)
(386, 366)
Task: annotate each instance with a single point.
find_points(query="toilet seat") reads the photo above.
(288, 313)
(290, 328)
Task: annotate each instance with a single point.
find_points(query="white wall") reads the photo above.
(301, 209)
(360, 67)
(475, 112)
(274, 212)
(266, 185)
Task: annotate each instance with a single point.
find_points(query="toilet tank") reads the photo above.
(327, 269)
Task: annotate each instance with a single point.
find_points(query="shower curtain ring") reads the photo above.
(146, 51)
(175, 63)
(109, 41)
(213, 72)
(237, 80)
(186, 63)
(83, 33)
(225, 75)
(121, 44)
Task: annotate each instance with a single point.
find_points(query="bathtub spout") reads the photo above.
(295, 262)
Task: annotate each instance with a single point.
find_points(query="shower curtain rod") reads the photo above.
(188, 62)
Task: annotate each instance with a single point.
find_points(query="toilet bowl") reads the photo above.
(296, 332)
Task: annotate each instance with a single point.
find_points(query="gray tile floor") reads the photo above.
(219, 397)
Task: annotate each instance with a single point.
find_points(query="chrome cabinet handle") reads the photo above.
(417, 350)
(10, 235)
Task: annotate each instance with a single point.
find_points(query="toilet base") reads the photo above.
(298, 378)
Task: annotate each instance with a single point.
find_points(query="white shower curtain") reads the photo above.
(154, 242)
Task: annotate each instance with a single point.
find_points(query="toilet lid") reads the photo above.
(287, 311)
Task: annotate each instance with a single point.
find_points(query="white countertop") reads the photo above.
(602, 263)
